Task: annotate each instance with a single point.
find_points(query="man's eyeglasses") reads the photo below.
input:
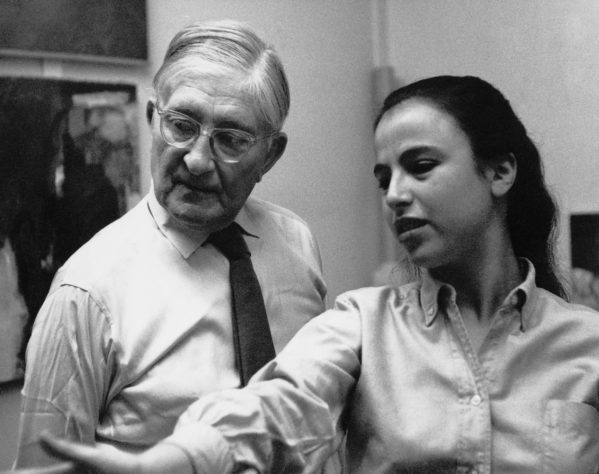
(228, 144)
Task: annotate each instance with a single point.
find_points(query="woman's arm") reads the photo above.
(288, 419)
(105, 458)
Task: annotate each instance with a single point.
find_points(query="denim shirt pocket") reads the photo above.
(570, 438)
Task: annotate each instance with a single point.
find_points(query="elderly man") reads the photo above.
(149, 315)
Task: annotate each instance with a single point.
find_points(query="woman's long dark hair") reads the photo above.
(495, 131)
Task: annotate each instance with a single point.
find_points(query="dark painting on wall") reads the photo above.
(68, 167)
(98, 30)
(584, 238)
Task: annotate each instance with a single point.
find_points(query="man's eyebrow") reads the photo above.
(228, 123)
(218, 122)
(181, 109)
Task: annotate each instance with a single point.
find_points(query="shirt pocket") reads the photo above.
(570, 438)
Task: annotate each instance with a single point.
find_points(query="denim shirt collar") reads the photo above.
(435, 295)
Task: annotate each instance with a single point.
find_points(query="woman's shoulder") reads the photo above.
(548, 298)
(380, 295)
(551, 306)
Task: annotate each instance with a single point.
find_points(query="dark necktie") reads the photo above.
(251, 333)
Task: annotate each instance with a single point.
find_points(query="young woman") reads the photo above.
(478, 366)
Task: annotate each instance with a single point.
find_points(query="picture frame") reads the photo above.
(89, 30)
(584, 246)
(69, 165)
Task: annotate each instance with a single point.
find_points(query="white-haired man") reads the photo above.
(138, 323)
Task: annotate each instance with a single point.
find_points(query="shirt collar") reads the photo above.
(186, 242)
(524, 293)
(433, 291)
(248, 224)
(429, 296)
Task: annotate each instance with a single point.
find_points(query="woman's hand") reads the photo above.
(105, 458)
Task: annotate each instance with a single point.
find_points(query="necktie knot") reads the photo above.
(230, 242)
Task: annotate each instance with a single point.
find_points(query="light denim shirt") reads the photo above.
(395, 367)
(137, 325)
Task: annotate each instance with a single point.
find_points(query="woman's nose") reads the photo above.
(199, 159)
(399, 193)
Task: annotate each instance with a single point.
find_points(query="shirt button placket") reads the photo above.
(476, 400)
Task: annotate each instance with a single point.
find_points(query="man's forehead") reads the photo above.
(212, 99)
(195, 70)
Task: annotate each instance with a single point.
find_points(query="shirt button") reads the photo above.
(476, 400)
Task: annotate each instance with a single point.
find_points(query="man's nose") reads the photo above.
(199, 159)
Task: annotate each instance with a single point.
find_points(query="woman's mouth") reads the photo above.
(407, 224)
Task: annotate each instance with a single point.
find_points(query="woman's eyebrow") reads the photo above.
(414, 152)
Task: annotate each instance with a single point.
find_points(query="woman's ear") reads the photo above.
(275, 151)
(150, 111)
(502, 174)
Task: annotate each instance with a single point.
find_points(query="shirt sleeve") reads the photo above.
(320, 282)
(68, 355)
(290, 417)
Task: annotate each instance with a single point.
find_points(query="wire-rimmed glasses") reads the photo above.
(227, 144)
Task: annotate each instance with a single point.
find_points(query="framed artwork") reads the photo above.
(96, 30)
(68, 167)
(584, 238)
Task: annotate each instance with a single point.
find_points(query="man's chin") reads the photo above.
(202, 217)
(190, 204)
(198, 210)
(197, 218)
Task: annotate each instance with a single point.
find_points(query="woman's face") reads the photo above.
(439, 205)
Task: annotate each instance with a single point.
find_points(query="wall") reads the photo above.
(326, 173)
(544, 56)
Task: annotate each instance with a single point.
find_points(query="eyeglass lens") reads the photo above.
(181, 132)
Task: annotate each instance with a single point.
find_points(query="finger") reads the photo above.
(67, 449)
(101, 457)
(62, 468)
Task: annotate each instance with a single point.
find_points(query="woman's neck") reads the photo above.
(483, 280)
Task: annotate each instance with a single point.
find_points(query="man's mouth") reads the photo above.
(197, 187)
(407, 224)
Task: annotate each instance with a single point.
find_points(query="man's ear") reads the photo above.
(502, 174)
(275, 151)
(150, 106)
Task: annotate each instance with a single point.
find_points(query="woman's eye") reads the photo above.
(422, 166)
(383, 176)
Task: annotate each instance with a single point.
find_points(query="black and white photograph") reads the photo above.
(584, 245)
(69, 166)
(284, 236)
(93, 30)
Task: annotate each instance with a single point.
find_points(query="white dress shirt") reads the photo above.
(137, 324)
